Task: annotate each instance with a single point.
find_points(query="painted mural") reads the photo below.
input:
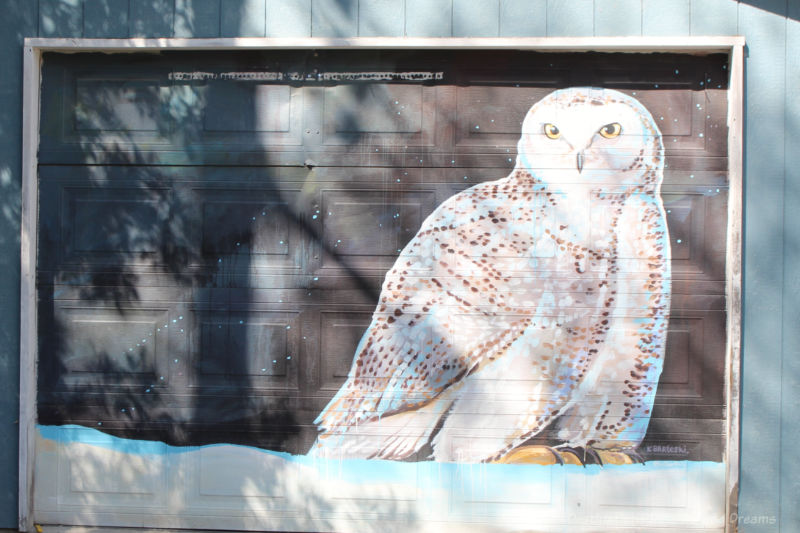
(537, 300)
(289, 292)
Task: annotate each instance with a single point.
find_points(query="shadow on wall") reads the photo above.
(773, 7)
(162, 208)
(246, 488)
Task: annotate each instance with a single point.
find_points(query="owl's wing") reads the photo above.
(406, 361)
(432, 326)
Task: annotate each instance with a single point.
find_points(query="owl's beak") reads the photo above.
(579, 161)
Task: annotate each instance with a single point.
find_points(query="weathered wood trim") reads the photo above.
(28, 327)
(734, 278)
(686, 44)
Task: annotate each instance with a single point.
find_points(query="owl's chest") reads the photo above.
(572, 236)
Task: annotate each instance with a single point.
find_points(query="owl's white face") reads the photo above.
(591, 136)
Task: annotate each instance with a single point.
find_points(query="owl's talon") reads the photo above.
(568, 455)
(583, 456)
(592, 453)
(571, 455)
(635, 456)
(559, 459)
(534, 454)
(620, 457)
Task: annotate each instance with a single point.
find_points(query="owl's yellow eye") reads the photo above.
(551, 131)
(609, 131)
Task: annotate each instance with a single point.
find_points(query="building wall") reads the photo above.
(770, 477)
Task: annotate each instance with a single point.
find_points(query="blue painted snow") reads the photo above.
(361, 471)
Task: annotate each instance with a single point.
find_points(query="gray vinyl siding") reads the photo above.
(770, 474)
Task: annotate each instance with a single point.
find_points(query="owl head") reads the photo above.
(591, 136)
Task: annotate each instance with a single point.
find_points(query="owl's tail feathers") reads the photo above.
(393, 437)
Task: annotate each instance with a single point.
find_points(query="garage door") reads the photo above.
(367, 290)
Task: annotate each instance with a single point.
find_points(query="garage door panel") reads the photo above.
(545, 495)
(106, 221)
(697, 243)
(694, 364)
(217, 481)
(122, 108)
(366, 230)
(226, 226)
(239, 107)
(490, 117)
(645, 500)
(215, 230)
(139, 481)
(109, 104)
(106, 346)
(248, 116)
(112, 337)
(340, 333)
(102, 226)
(686, 104)
(259, 228)
(119, 107)
(239, 229)
(388, 114)
(244, 349)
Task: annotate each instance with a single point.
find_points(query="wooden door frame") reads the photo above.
(32, 63)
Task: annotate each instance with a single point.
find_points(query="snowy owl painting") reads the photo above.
(527, 319)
